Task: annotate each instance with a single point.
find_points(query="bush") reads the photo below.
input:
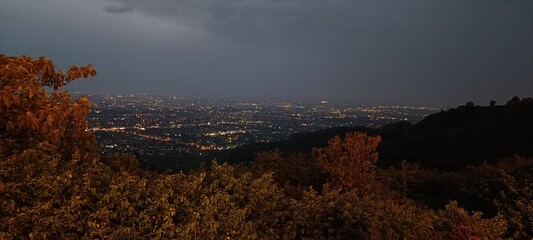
(456, 223)
(516, 205)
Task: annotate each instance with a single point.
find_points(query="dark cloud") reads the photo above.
(117, 8)
(394, 51)
(275, 23)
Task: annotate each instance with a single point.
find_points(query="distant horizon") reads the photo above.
(265, 99)
(295, 100)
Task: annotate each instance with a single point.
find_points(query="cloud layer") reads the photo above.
(117, 8)
(392, 51)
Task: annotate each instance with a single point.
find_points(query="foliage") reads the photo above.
(41, 194)
(475, 187)
(458, 224)
(516, 205)
(30, 115)
(351, 162)
(294, 173)
(349, 215)
(402, 179)
(43, 197)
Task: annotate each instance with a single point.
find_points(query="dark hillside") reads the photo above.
(464, 136)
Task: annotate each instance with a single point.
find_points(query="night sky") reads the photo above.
(417, 52)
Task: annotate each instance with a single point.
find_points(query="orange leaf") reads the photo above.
(7, 100)
(50, 119)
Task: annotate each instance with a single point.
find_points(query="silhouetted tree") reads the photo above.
(514, 100)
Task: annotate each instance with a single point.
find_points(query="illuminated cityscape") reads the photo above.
(176, 129)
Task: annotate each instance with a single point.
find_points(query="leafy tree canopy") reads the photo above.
(34, 109)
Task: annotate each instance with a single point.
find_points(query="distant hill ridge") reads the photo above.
(465, 135)
(452, 139)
